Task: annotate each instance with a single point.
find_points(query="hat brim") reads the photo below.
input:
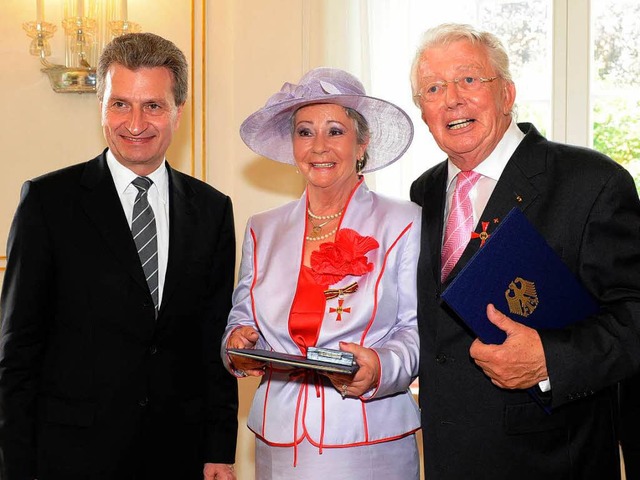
(268, 131)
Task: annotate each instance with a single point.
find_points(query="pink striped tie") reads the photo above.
(457, 232)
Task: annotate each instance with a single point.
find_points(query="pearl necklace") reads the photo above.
(318, 228)
(321, 237)
(323, 217)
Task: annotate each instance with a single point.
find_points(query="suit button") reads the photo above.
(153, 349)
(143, 402)
(441, 358)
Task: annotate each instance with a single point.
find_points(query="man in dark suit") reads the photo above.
(479, 423)
(109, 369)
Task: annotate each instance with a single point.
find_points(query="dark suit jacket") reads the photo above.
(90, 381)
(587, 208)
(630, 426)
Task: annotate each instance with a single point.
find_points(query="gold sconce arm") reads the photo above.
(83, 22)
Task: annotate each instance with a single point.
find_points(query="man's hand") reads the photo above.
(516, 364)
(218, 471)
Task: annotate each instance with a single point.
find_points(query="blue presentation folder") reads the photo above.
(524, 278)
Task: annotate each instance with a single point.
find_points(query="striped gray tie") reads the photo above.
(143, 229)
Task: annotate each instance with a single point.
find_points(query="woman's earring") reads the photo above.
(359, 165)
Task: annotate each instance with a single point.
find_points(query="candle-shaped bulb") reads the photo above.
(39, 11)
(123, 10)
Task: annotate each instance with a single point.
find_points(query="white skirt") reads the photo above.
(394, 460)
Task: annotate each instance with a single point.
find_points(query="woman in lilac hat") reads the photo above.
(335, 269)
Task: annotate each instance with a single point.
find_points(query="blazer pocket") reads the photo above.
(68, 412)
(531, 418)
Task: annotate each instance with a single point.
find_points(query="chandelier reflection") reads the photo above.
(88, 26)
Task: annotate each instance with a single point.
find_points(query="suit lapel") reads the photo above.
(102, 205)
(432, 214)
(183, 219)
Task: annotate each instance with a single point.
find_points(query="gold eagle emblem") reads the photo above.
(522, 297)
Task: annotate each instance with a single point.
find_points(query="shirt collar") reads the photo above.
(122, 177)
(495, 163)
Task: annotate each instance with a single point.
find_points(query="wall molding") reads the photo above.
(198, 71)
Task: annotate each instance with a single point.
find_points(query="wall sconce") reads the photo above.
(88, 26)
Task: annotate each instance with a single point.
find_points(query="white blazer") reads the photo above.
(286, 408)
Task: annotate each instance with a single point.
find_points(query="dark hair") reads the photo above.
(145, 50)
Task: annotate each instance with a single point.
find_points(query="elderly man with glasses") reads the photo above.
(479, 422)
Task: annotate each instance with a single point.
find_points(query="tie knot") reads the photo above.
(142, 183)
(466, 180)
(469, 175)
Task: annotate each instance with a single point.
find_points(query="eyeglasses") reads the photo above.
(435, 90)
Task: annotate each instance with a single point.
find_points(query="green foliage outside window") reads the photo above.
(616, 107)
(615, 133)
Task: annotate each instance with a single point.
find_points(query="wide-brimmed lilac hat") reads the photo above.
(268, 131)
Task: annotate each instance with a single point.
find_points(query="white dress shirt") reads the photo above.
(158, 196)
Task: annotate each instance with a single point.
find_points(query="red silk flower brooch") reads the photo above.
(345, 256)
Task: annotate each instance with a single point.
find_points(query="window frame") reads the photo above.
(571, 47)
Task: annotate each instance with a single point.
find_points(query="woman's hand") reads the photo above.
(245, 337)
(367, 376)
